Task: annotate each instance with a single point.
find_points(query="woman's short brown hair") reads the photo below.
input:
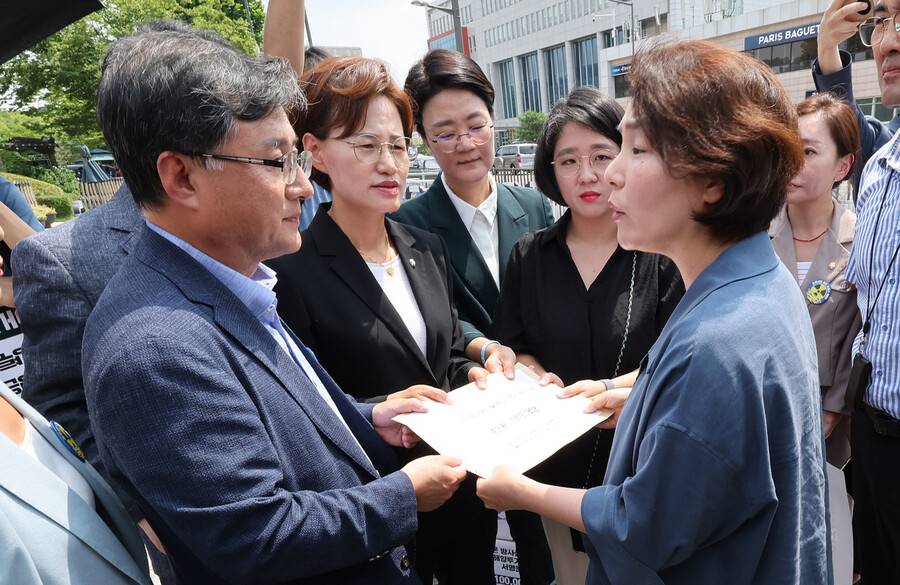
(841, 122)
(339, 90)
(711, 112)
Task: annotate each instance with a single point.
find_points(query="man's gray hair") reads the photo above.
(169, 86)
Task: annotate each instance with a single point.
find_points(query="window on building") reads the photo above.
(614, 37)
(798, 55)
(445, 42)
(622, 86)
(508, 89)
(874, 107)
(882, 113)
(607, 39)
(555, 68)
(531, 85)
(802, 54)
(586, 66)
(858, 51)
(781, 58)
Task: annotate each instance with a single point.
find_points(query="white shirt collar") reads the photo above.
(466, 211)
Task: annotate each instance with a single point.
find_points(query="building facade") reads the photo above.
(536, 51)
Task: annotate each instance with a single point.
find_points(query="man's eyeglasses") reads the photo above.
(480, 134)
(288, 164)
(871, 31)
(368, 149)
(569, 165)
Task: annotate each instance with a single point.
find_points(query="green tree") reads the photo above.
(58, 77)
(19, 124)
(531, 123)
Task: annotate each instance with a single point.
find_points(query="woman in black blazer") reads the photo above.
(372, 298)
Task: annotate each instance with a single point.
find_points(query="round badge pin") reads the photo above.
(67, 440)
(818, 292)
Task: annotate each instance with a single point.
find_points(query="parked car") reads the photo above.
(424, 163)
(515, 156)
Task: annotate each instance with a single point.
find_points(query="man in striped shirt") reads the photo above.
(874, 267)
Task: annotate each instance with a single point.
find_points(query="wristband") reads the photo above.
(484, 348)
(608, 383)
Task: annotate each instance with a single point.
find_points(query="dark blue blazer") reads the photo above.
(519, 210)
(243, 470)
(70, 264)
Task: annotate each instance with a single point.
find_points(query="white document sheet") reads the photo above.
(513, 422)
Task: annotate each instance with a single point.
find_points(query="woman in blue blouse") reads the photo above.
(717, 469)
(576, 303)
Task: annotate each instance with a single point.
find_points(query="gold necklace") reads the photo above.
(386, 265)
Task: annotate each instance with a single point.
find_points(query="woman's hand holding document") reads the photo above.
(516, 422)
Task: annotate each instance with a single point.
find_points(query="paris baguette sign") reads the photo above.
(787, 35)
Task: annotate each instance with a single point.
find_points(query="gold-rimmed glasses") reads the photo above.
(871, 31)
(368, 149)
(569, 165)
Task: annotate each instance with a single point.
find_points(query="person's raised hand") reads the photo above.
(839, 22)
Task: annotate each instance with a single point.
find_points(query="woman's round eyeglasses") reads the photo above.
(569, 165)
(479, 135)
(368, 149)
(871, 31)
(288, 164)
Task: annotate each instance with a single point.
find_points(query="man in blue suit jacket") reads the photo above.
(70, 264)
(249, 462)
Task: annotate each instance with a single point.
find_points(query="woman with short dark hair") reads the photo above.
(717, 469)
(573, 301)
(479, 219)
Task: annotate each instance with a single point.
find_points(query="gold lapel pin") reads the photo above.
(832, 265)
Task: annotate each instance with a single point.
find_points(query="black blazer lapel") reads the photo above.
(423, 280)
(513, 224)
(464, 255)
(349, 266)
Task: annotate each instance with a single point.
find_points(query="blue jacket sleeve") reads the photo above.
(13, 198)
